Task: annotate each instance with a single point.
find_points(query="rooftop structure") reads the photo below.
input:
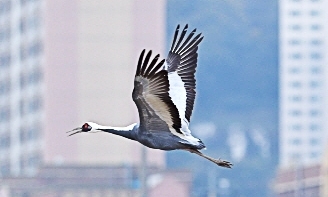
(98, 181)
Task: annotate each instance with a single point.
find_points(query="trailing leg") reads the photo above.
(218, 162)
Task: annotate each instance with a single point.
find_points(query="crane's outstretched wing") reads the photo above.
(156, 110)
(181, 66)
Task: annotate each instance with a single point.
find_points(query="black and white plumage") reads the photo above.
(164, 93)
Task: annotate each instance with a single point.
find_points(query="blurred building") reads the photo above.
(303, 180)
(299, 181)
(303, 44)
(21, 86)
(63, 63)
(66, 62)
(98, 181)
(91, 52)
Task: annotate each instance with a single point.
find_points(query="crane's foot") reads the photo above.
(219, 162)
(223, 163)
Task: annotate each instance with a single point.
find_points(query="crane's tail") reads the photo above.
(201, 145)
(197, 146)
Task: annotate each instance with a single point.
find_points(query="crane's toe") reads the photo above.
(223, 163)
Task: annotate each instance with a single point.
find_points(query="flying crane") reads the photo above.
(164, 93)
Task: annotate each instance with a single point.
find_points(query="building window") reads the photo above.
(314, 141)
(35, 48)
(314, 112)
(314, 127)
(295, 27)
(22, 135)
(295, 70)
(295, 12)
(315, 84)
(315, 55)
(4, 33)
(23, 52)
(30, 133)
(295, 98)
(296, 56)
(5, 6)
(4, 114)
(35, 76)
(4, 168)
(314, 13)
(296, 84)
(315, 98)
(315, 27)
(30, 50)
(4, 87)
(295, 112)
(24, 2)
(23, 25)
(316, 42)
(314, 155)
(296, 141)
(295, 157)
(30, 105)
(4, 141)
(28, 78)
(29, 22)
(22, 107)
(296, 127)
(316, 70)
(5, 59)
(30, 161)
(22, 80)
(33, 161)
(35, 104)
(294, 42)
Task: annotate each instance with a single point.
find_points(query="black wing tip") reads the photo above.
(148, 66)
(140, 62)
(188, 42)
(149, 52)
(185, 28)
(157, 56)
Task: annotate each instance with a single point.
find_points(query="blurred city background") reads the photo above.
(262, 98)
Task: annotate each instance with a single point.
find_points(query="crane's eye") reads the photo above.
(86, 127)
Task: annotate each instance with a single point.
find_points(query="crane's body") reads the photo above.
(164, 94)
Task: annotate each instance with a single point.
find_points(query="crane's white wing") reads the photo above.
(181, 67)
(157, 112)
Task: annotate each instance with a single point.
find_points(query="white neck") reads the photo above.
(100, 127)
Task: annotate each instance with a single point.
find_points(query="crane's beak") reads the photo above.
(75, 131)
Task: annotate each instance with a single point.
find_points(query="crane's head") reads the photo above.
(89, 127)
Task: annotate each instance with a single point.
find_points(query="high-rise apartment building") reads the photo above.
(21, 86)
(303, 31)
